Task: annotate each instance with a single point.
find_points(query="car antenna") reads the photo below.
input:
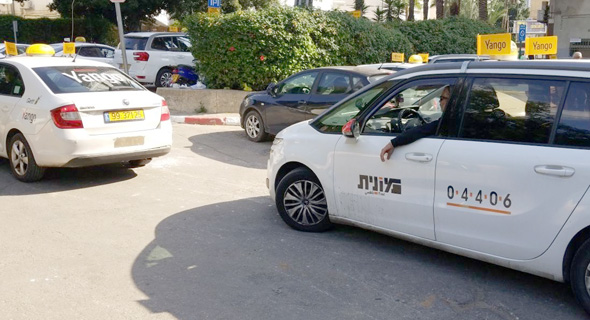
(380, 66)
(75, 56)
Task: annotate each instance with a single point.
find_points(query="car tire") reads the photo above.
(138, 163)
(301, 201)
(254, 127)
(580, 275)
(164, 77)
(22, 162)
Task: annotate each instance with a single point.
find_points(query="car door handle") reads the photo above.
(419, 157)
(552, 170)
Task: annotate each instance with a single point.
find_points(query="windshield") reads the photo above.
(69, 79)
(334, 119)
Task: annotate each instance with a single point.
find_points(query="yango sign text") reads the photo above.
(541, 45)
(493, 44)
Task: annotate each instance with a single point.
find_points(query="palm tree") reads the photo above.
(379, 15)
(411, 10)
(440, 9)
(425, 8)
(360, 6)
(483, 10)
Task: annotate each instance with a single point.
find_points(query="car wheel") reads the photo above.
(138, 163)
(580, 275)
(301, 201)
(22, 161)
(164, 78)
(254, 127)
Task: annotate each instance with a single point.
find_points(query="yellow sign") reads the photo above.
(357, 13)
(69, 48)
(10, 48)
(213, 10)
(397, 57)
(173, 29)
(424, 57)
(494, 44)
(540, 45)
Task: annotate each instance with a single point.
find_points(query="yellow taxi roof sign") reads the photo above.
(493, 44)
(40, 49)
(540, 45)
(10, 48)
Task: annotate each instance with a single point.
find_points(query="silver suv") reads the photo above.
(151, 56)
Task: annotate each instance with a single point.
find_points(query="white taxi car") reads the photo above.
(505, 179)
(61, 112)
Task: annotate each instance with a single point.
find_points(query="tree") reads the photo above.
(394, 9)
(379, 15)
(425, 9)
(483, 10)
(440, 9)
(133, 11)
(360, 6)
(411, 10)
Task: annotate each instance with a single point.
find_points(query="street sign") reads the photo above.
(493, 44)
(541, 45)
(521, 32)
(214, 3)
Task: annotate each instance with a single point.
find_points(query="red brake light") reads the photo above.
(165, 111)
(67, 117)
(141, 56)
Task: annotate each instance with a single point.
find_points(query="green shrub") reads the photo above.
(446, 36)
(251, 49)
(55, 30)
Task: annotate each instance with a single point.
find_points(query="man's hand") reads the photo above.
(387, 150)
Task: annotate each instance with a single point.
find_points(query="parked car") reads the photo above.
(457, 58)
(302, 96)
(56, 112)
(504, 180)
(151, 56)
(20, 47)
(394, 66)
(90, 51)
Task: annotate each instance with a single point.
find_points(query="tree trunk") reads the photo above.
(483, 10)
(440, 9)
(425, 8)
(411, 10)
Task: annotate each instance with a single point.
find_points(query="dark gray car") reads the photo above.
(301, 97)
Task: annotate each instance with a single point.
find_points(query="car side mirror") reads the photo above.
(351, 129)
(271, 89)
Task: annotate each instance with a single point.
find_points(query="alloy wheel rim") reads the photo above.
(253, 126)
(305, 202)
(166, 79)
(587, 279)
(19, 158)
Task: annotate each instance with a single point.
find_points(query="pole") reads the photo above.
(72, 38)
(121, 36)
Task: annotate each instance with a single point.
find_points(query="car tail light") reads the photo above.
(67, 117)
(141, 56)
(165, 111)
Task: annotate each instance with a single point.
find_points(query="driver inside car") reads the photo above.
(416, 133)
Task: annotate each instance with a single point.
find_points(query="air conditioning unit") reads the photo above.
(27, 4)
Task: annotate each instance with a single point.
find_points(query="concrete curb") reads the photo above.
(209, 119)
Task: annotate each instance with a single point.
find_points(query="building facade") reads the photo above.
(29, 9)
(571, 25)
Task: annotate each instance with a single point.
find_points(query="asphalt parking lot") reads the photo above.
(194, 235)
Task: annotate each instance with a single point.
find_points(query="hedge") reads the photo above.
(248, 50)
(46, 30)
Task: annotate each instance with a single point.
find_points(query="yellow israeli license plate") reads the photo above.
(175, 78)
(126, 115)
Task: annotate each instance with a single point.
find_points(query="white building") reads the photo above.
(28, 9)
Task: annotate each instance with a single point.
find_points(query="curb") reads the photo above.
(208, 119)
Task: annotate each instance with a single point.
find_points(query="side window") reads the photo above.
(519, 110)
(334, 83)
(333, 120)
(163, 43)
(413, 105)
(90, 52)
(357, 83)
(574, 124)
(11, 82)
(300, 84)
(107, 53)
(183, 43)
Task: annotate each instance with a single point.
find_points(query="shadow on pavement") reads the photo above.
(232, 147)
(238, 260)
(63, 179)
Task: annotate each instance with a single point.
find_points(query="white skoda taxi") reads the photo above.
(504, 177)
(65, 112)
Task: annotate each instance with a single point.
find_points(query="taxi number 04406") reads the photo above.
(480, 196)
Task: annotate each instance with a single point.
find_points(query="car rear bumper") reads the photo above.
(114, 158)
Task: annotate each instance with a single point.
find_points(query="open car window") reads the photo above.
(65, 79)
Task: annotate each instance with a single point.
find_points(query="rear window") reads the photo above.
(86, 79)
(135, 43)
